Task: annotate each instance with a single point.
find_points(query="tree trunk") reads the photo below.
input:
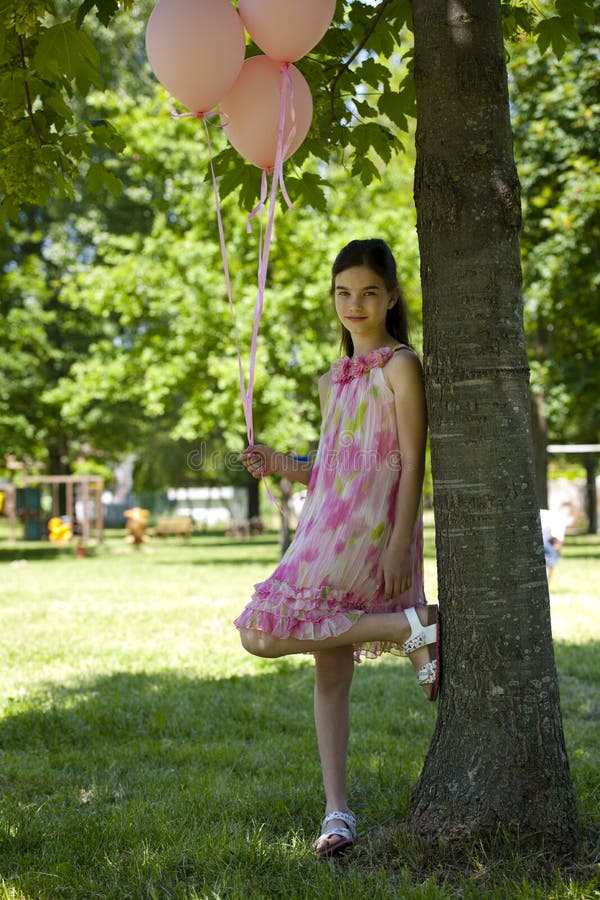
(591, 495)
(287, 489)
(253, 498)
(57, 456)
(497, 757)
(540, 441)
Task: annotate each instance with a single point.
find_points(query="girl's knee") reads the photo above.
(259, 643)
(334, 668)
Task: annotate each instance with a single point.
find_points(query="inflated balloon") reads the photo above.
(196, 49)
(286, 29)
(250, 112)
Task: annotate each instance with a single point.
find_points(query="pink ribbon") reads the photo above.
(261, 203)
(277, 182)
(245, 394)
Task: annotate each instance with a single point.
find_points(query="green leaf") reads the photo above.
(105, 10)
(570, 9)
(95, 178)
(63, 51)
(113, 184)
(373, 73)
(390, 105)
(83, 10)
(309, 188)
(57, 103)
(12, 88)
(406, 95)
(516, 18)
(553, 32)
(365, 110)
(371, 135)
(365, 169)
(99, 178)
(249, 187)
(105, 135)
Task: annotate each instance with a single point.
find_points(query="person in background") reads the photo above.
(554, 526)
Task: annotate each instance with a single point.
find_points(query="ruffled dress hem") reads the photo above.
(330, 575)
(312, 615)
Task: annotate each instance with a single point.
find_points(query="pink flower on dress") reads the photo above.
(348, 367)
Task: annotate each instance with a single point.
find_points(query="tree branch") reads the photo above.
(27, 93)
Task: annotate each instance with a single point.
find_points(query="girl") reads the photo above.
(351, 582)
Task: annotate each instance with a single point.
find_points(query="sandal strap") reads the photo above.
(341, 831)
(348, 818)
(420, 635)
(427, 673)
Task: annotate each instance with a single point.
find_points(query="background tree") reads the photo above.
(43, 339)
(555, 106)
(145, 266)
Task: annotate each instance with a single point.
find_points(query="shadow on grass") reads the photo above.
(132, 783)
(583, 540)
(165, 784)
(271, 540)
(230, 559)
(575, 544)
(44, 550)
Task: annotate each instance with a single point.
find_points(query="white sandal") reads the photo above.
(347, 835)
(425, 635)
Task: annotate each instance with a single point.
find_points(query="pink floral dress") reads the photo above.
(330, 574)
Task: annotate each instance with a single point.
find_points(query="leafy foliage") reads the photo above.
(555, 111)
(552, 24)
(49, 62)
(46, 71)
(143, 270)
(116, 316)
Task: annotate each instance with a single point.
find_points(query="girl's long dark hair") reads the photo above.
(376, 255)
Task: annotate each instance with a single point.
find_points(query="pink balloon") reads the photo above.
(196, 49)
(251, 110)
(286, 29)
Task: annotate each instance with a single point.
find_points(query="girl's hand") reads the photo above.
(260, 460)
(396, 571)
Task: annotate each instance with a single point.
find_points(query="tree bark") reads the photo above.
(497, 757)
(591, 495)
(540, 442)
(253, 498)
(287, 489)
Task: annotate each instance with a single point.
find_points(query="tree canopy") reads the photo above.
(118, 334)
(51, 62)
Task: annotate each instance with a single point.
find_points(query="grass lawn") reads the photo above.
(145, 755)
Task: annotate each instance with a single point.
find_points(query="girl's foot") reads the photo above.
(423, 647)
(338, 832)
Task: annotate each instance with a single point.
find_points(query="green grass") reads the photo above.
(143, 754)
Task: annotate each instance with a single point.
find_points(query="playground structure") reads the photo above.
(83, 504)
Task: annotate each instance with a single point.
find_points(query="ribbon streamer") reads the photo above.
(277, 183)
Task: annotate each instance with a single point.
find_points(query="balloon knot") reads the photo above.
(203, 116)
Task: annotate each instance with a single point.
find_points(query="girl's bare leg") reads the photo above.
(333, 675)
(369, 627)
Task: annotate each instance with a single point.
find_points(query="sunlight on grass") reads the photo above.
(144, 754)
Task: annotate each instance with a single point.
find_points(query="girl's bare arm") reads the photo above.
(262, 460)
(405, 377)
